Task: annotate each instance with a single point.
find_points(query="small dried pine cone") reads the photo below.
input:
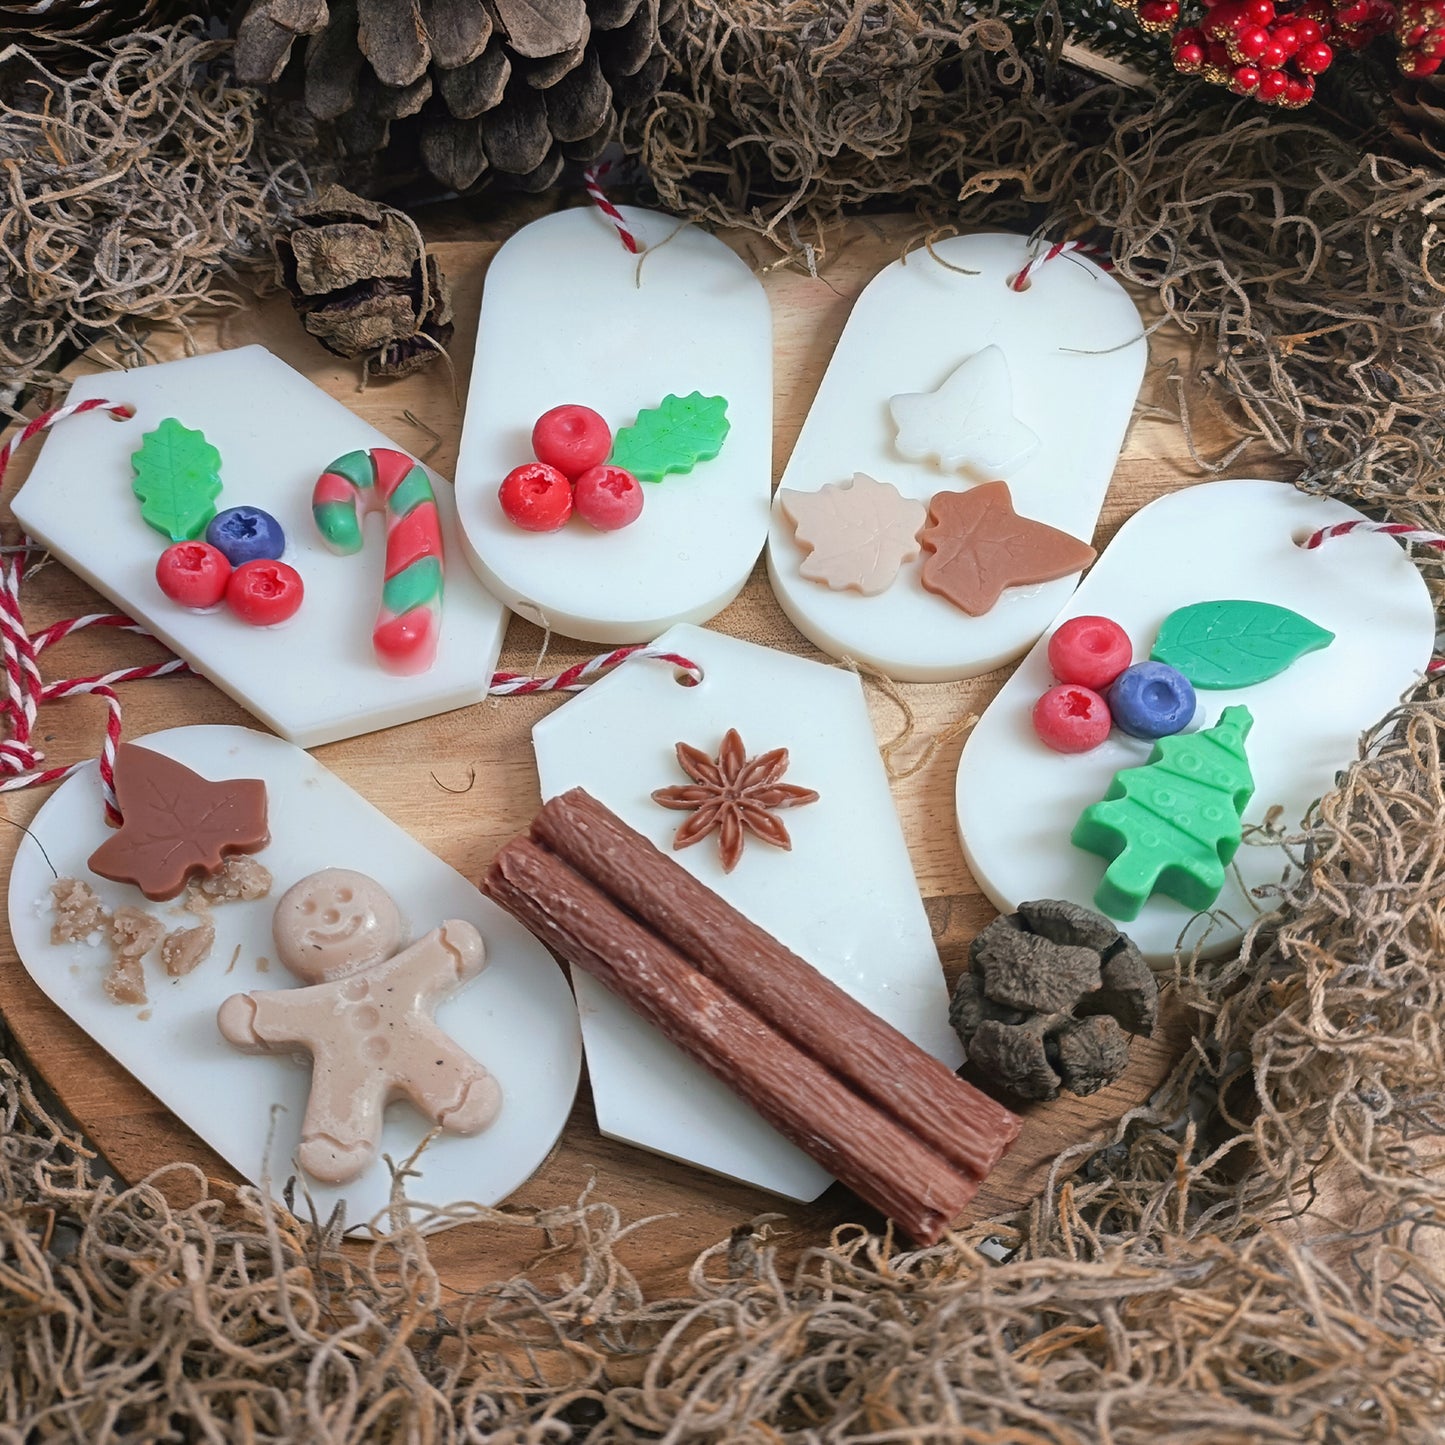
(1052, 993)
(365, 287)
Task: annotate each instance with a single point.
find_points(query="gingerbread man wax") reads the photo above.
(365, 1019)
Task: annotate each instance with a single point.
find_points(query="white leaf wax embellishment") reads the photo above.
(968, 424)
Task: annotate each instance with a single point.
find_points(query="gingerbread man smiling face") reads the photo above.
(334, 923)
(365, 1018)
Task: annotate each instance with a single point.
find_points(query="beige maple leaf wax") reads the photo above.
(857, 534)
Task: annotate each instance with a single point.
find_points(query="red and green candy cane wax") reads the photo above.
(408, 625)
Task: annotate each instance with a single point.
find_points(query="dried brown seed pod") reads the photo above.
(360, 277)
(1052, 994)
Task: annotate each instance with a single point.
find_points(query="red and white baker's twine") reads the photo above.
(592, 179)
(578, 676)
(1401, 530)
(1100, 255)
(26, 691)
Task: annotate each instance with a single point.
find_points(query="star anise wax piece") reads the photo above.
(733, 795)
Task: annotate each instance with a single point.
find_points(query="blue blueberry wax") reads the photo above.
(246, 534)
(1151, 700)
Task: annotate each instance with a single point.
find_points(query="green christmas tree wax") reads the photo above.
(1172, 825)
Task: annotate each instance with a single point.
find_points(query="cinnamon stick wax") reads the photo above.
(868, 1151)
(958, 1121)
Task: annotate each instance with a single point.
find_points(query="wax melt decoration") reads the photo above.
(408, 623)
(884, 1117)
(1151, 700)
(536, 497)
(193, 574)
(366, 1017)
(856, 534)
(733, 795)
(968, 424)
(246, 534)
(672, 437)
(607, 498)
(1172, 825)
(133, 933)
(573, 439)
(176, 824)
(1052, 994)
(183, 950)
(1091, 651)
(979, 546)
(177, 480)
(1236, 644)
(78, 912)
(263, 593)
(1071, 719)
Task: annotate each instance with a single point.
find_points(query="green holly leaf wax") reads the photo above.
(672, 437)
(177, 480)
(1172, 825)
(1235, 644)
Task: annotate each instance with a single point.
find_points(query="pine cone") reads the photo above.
(1052, 993)
(1418, 121)
(481, 87)
(58, 32)
(360, 277)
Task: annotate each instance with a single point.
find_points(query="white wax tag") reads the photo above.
(314, 679)
(1018, 800)
(517, 1018)
(569, 318)
(844, 897)
(944, 378)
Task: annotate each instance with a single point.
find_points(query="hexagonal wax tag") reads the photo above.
(161, 985)
(936, 511)
(659, 365)
(380, 638)
(763, 781)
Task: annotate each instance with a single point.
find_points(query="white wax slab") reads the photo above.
(845, 898)
(1018, 801)
(568, 317)
(517, 1018)
(1075, 350)
(313, 679)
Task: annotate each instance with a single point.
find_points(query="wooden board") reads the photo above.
(464, 783)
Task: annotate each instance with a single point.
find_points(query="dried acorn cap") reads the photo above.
(361, 279)
(1052, 994)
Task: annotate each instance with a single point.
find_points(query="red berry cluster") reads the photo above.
(197, 575)
(571, 444)
(1420, 29)
(1271, 52)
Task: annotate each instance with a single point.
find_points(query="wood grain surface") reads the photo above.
(463, 783)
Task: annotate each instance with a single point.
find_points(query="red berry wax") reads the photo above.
(571, 438)
(608, 498)
(1071, 719)
(193, 574)
(536, 497)
(1090, 651)
(264, 592)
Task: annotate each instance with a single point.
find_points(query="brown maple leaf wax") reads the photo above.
(978, 546)
(177, 824)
